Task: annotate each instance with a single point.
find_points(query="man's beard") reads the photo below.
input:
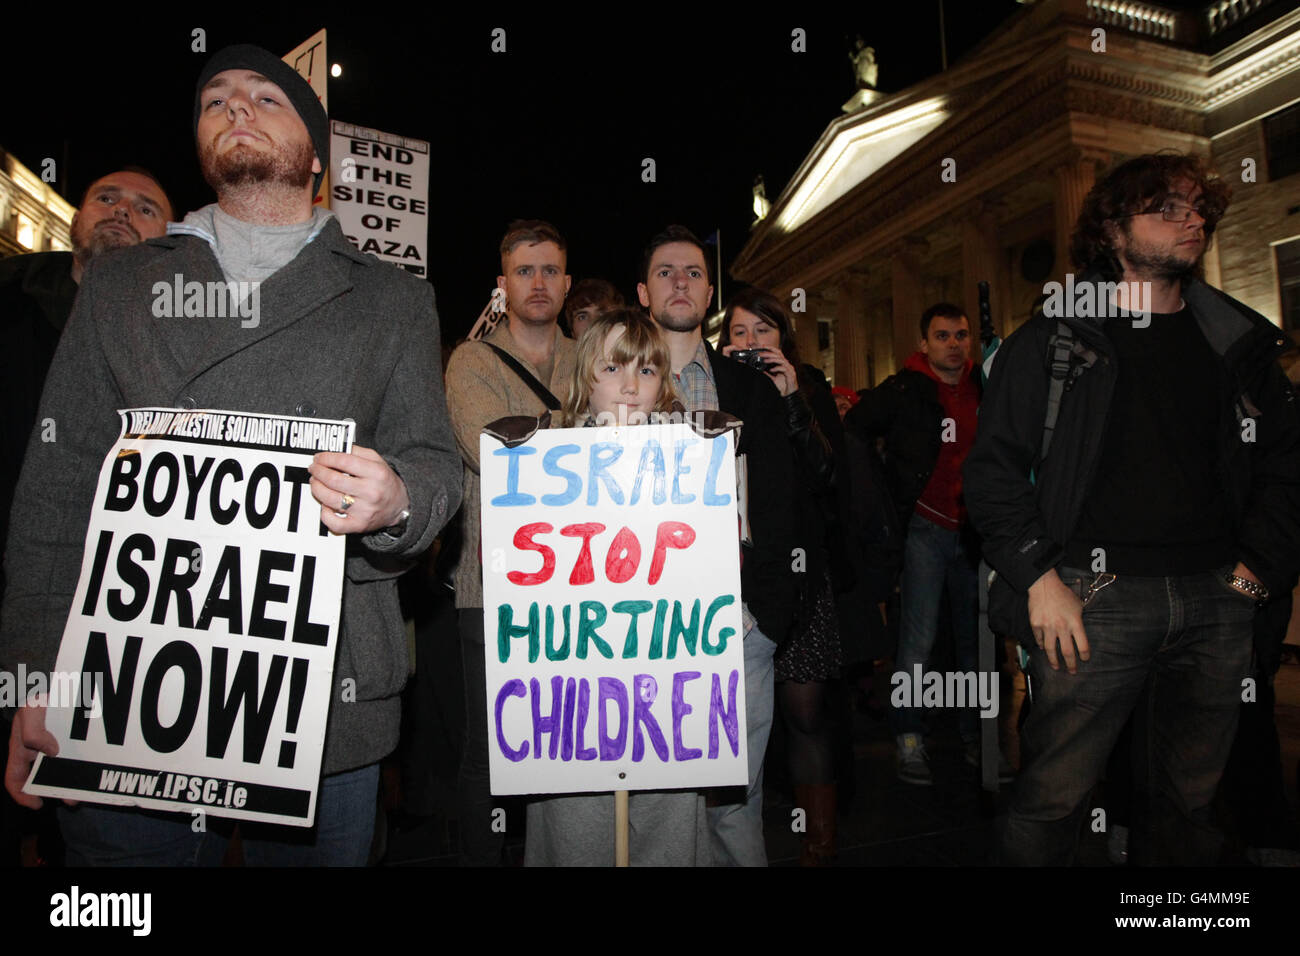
(101, 240)
(674, 323)
(248, 167)
(1156, 266)
(1159, 266)
(548, 318)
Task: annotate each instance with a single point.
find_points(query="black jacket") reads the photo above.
(816, 437)
(36, 296)
(1025, 525)
(905, 409)
(767, 585)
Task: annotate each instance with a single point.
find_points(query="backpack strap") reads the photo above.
(1068, 360)
(540, 390)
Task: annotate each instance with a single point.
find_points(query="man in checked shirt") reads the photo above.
(675, 287)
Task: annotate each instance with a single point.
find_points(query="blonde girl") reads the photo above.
(622, 374)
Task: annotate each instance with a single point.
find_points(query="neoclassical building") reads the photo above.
(979, 172)
(33, 217)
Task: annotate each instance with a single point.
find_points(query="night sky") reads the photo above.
(554, 128)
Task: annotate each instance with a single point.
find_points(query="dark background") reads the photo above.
(554, 128)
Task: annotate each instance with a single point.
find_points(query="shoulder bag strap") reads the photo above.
(540, 390)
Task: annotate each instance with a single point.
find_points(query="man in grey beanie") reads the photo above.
(301, 98)
(339, 335)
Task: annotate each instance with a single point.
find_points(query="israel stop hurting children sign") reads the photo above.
(206, 618)
(611, 606)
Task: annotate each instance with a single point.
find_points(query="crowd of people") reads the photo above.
(1136, 608)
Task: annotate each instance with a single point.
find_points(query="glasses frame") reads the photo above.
(1199, 209)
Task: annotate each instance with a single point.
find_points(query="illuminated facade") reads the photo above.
(979, 172)
(33, 217)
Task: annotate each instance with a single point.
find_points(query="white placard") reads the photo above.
(380, 193)
(206, 620)
(612, 618)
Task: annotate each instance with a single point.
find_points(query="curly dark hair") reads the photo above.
(1137, 186)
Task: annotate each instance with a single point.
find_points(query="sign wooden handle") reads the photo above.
(620, 828)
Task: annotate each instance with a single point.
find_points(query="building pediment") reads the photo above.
(860, 146)
(853, 149)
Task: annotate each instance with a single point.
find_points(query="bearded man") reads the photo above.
(340, 335)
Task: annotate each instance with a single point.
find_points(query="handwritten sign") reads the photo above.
(611, 593)
(206, 618)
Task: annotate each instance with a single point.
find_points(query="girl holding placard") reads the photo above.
(622, 376)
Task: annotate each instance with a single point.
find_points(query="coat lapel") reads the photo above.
(320, 272)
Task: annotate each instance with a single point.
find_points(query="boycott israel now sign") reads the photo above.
(611, 607)
(207, 613)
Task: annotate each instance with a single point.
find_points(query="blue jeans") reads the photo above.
(936, 564)
(1171, 651)
(737, 828)
(98, 835)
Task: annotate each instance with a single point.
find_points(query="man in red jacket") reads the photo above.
(927, 415)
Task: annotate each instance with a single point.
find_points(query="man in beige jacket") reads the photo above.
(482, 387)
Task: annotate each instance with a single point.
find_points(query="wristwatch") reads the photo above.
(398, 529)
(1248, 587)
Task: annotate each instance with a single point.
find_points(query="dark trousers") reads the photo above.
(1171, 651)
(1252, 782)
(480, 844)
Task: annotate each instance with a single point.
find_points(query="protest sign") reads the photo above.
(381, 193)
(207, 616)
(611, 606)
(310, 61)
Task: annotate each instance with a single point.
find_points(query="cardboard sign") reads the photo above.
(309, 59)
(206, 618)
(611, 606)
(381, 193)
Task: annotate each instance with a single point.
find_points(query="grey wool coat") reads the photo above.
(340, 335)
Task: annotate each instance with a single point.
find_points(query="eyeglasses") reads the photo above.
(1174, 211)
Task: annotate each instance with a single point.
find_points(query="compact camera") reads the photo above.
(751, 357)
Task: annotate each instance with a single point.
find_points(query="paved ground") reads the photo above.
(882, 821)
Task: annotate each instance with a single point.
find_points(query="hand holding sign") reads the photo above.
(205, 620)
(378, 495)
(28, 738)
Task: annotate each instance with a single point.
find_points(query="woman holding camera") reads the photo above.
(757, 330)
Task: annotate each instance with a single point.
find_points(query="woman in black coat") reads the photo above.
(756, 329)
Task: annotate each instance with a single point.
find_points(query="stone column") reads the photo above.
(1071, 181)
(851, 333)
(908, 296)
(805, 329)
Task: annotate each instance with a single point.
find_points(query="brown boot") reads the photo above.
(818, 802)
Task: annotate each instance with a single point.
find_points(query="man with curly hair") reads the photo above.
(1136, 481)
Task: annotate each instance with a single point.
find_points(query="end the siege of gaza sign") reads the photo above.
(206, 616)
(611, 606)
